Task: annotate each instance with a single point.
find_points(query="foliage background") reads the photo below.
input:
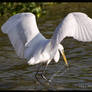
(12, 8)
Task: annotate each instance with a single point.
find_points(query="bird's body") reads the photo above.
(29, 43)
(26, 39)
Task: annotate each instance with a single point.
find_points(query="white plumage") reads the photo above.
(29, 43)
(77, 25)
(22, 30)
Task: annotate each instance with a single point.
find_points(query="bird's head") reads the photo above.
(61, 49)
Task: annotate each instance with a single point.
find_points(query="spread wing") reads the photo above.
(77, 25)
(22, 30)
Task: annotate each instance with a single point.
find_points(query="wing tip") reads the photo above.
(4, 28)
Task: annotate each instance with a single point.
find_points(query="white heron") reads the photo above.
(30, 44)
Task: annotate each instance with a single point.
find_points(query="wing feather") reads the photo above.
(77, 25)
(22, 30)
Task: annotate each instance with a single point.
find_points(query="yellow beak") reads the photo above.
(64, 57)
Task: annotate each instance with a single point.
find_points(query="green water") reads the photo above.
(16, 74)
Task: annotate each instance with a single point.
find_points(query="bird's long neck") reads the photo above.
(53, 46)
(54, 42)
(54, 39)
(58, 35)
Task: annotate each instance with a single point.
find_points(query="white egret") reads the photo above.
(30, 44)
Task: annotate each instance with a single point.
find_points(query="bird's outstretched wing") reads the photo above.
(22, 29)
(77, 25)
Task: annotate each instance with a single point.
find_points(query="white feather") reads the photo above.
(23, 32)
(77, 25)
(57, 56)
(29, 43)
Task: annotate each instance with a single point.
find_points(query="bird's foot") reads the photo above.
(43, 76)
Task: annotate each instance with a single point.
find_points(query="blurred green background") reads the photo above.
(11, 8)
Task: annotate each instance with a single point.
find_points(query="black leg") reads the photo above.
(43, 72)
(42, 75)
(38, 70)
(39, 67)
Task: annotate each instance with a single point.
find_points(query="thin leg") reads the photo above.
(42, 75)
(38, 69)
(39, 66)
